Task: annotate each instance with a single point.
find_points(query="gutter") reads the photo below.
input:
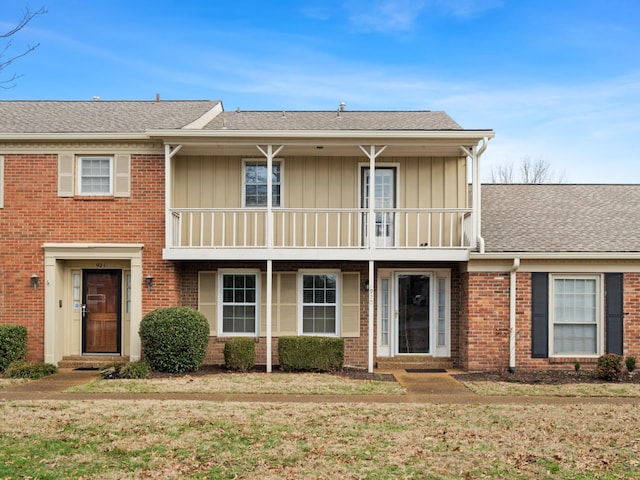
(512, 314)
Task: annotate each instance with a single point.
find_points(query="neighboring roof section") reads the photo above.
(25, 117)
(561, 218)
(333, 120)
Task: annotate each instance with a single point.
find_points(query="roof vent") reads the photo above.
(284, 114)
(157, 98)
(238, 110)
(342, 105)
(96, 98)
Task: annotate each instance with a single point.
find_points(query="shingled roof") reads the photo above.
(23, 117)
(561, 218)
(334, 120)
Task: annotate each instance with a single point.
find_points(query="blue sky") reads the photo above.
(558, 80)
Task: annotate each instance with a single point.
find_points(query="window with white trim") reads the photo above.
(95, 175)
(255, 183)
(575, 315)
(239, 304)
(320, 304)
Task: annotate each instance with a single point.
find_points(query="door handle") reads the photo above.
(84, 311)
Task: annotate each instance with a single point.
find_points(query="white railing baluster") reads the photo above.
(300, 228)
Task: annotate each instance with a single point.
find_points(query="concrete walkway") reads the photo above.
(427, 388)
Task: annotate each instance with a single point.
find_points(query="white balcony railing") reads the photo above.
(445, 228)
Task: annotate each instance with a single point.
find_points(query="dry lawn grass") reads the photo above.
(564, 390)
(239, 383)
(7, 382)
(154, 439)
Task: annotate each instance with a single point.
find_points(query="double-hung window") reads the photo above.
(95, 175)
(575, 315)
(256, 183)
(240, 303)
(320, 304)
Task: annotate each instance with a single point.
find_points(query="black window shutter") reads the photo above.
(539, 315)
(614, 300)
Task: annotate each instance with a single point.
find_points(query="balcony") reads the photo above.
(317, 234)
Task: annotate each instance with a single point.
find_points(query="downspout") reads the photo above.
(475, 153)
(512, 314)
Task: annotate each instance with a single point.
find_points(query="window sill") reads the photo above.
(94, 198)
(568, 359)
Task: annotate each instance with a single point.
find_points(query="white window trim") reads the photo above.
(301, 304)
(600, 314)
(221, 304)
(244, 181)
(79, 159)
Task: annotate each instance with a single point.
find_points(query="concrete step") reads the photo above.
(91, 361)
(418, 362)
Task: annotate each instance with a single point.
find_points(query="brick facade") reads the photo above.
(485, 345)
(34, 214)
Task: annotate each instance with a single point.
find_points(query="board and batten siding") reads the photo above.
(285, 303)
(313, 183)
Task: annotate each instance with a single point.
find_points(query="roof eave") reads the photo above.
(25, 137)
(555, 255)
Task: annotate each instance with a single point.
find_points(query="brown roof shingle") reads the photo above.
(333, 120)
(561, 218)
(22, 117)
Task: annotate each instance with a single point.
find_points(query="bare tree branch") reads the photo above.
(5, 62)
(530, 171)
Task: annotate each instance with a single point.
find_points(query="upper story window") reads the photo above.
(255, 183)
(95, 175)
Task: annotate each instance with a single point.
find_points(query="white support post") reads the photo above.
(269, 153)
(168, 222)
(372, 153)
(269, 301)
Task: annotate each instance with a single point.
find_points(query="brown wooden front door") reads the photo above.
(101, 291)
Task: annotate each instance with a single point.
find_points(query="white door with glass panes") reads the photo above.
(385, 201)
(414, 312)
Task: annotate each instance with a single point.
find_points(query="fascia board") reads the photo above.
(556, 256)
(68, 137)
(459, 136)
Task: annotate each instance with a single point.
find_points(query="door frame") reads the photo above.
(364, 228)
(439, 318)
(118, 305)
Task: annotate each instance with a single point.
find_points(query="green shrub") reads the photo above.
(316, 354)
(630, 362)
(240, 354)
(13, 344)
(33, 370)
(139, 369)
(174, 339)
(610, 367)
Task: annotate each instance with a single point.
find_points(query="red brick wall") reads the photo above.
(485, 322)
(485, 346)
(33, 214)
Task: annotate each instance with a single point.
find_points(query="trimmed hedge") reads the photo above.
(13, 344)
(316, 354)
(174, 339)
(240, 354)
